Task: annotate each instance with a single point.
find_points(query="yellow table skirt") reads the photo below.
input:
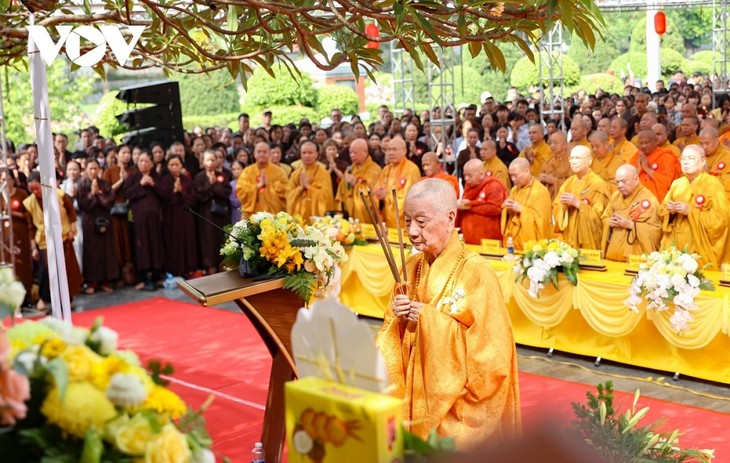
(589, 319)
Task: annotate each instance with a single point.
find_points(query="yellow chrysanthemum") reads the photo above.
(52, 348)
(82, 362)
(169, 446)
(101, 372)
(165, 402)
(82, 407)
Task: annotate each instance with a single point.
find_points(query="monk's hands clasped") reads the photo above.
(678, 207)
(570, 199)
(622, 222)
(405, 309)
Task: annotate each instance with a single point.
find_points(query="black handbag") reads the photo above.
(101, 225)
(219, 209)
(120, 209)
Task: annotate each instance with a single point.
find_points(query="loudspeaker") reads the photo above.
(161, 122)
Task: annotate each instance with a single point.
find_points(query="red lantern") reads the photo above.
(660, 23)
(373, 31)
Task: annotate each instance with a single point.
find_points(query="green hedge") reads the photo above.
(105, 115)
(525, 74)
(671, 62)
(592, 82)
(205, 94)
(213, 120)
(264, 90)
(333, 96)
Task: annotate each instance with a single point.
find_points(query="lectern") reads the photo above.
(272, 311)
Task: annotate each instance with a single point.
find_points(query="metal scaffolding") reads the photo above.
(7, 248)
(403, 84)
(550, 71)
(720, 59)
(441, 95)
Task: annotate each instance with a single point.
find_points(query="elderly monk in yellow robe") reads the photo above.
(578, 133)
(448, 343)
(538, 152)
(631, 223)
(580, 203)
(262, 186)
(662, 139)
(556, 169)
(309, 192)
(493, 166)
(432, 168)
(401, 174)
(363, 173)
(605, 162)
(717, 156)
(688, 128)
(622, 148)
(527, 211)
(695, 212)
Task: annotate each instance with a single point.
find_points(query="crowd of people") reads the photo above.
(622, 173)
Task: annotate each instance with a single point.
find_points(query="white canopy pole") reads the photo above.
(58, 281)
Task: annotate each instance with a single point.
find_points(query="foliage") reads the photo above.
(280, 244)
(212, 93)
(525, 73)
(281, 114)
(670, 276)
(417, 450)
(618, 36)
(543, 260)
(82, 400)
(333, 96)
(66, 90)
(346, 232)
(496, 81)
(229, 120)
(203, 36)
(701, 61)
(619, 438)
(468, 85)
(671, 61)
(671, 39)
(105, 115)
(696, 25)
(12, 292)
(592, 61)
(284, 89)
(593, 82)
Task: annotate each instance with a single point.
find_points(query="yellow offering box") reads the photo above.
(330, 422)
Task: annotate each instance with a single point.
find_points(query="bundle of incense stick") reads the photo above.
(371, 206)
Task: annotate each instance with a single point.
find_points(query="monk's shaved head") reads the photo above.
(627, 179)
(430, 157)
(438, 192)
(520, 163)
(627, 169)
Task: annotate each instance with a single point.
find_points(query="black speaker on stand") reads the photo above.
(158, 119)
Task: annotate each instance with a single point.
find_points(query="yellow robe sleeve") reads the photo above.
(348, 199)
(409, 175)
(314, 200)
(246, 189)
(582, 227)
(533, 223)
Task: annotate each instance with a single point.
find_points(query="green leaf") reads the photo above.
(232, 18)
(59, 371)
(93, 447)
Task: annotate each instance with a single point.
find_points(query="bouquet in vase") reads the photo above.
(543, 260)
(668, 277)
(280, 244)
(68, 395)
(346, 232)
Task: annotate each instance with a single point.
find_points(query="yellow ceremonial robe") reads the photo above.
(642, 207)
(582, 227)
(542, 154)
(606, 168)
(400, 176)
(348, 196)
(314, 200)
(456, 368)
(534, 222)
(681, 142)
(719, 165)
(270, 198)
(671, 148)
(625, 151)
(36, 212)
(558, 168)
(705, 229)
(496, 168)
(583, 142)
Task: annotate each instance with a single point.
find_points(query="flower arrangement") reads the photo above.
(346, 232)
(541, 262)
(669, 276)
(67, 394)
(280, 244)
(12, 292)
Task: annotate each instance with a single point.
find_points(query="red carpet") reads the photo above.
(218, 352)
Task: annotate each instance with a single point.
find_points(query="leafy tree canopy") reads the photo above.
(213, 93)
(337, 96)
(204, 35)
(672, 39)
(592, 61)
(526, 74)
(283, 89)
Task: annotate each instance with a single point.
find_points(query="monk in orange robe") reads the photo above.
(579, 205)
(493, 166)
(309, 192)
(695, 213)
(262, 186)
(662, 139)
(363, 173)
(631, 223)
(448, 343)
(401, 174)
(717, 156)
(432, 168)
(481, 206)
(657, 167)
